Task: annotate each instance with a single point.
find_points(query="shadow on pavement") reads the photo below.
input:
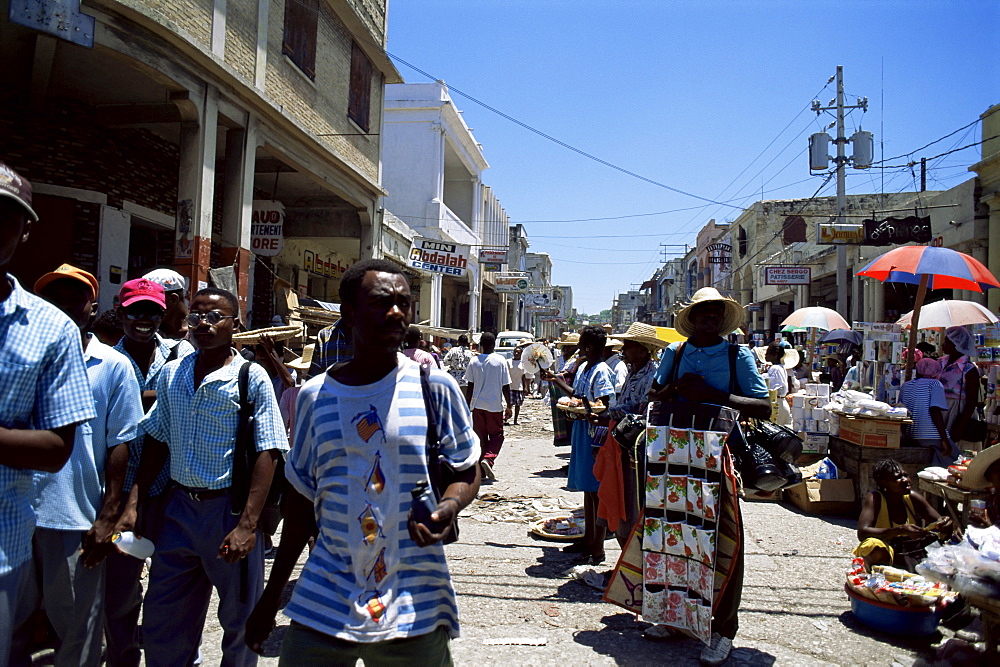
(922, 644)
(552, 564)
(560, 472)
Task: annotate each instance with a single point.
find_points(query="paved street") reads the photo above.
(518, 607)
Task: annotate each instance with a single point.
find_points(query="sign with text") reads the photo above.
(511, 283)
(787, 275)
(433, 256)
(267, 223)
(493, 255)
(327, 267)
(830, 234)
(490, 266)
(892, 231)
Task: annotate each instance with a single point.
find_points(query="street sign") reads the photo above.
(830, 234)
(490, 266)
(267, 221)
(433, 256)
(891, 231)
(493, 255)
(787, 275)
(511, 282)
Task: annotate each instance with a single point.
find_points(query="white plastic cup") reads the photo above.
(138, 547)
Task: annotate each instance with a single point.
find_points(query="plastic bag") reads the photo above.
(827, 469)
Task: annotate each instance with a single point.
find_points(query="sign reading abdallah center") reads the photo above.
(267, 222)
(435, 256)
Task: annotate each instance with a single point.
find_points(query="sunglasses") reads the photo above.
(212, 317)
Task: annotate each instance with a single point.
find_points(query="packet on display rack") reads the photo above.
(675, 492)
(654, 491)
(698, 449)
(654, 568)
(706, 545)
(710, 499)
(715, 443)
(652, 534)
(679, 446)
(675, 612)
(695, 500)
(656, 444)
(690, 541)
(675, 570)
(653, 604)
(673, 537)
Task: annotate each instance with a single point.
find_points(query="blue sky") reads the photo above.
(710, 98)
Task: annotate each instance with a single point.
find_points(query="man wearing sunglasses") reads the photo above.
(201, 541)
(142, 307)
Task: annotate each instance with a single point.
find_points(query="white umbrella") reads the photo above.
(816, 317)
(950, 313)
(534, 356)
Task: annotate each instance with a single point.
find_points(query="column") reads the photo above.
(196, 191)
(993, 253)
(237, 205)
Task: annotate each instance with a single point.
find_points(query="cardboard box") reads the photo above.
(814, 443)
(870, 432)
(823, 496)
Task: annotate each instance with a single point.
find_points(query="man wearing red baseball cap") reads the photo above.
(44, 394)
(141, 310)
(76, 509)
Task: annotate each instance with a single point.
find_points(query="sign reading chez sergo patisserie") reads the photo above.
(787, 275)
(433, 256)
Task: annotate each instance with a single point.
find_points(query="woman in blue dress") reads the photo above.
(595, 381)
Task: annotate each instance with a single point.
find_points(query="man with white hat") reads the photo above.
(175, 288)
(44, 395)
(705, 369)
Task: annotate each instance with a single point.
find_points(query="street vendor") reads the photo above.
(960, 378)
(895, 519)
(705, 375)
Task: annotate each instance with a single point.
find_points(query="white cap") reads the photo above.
(168, 279)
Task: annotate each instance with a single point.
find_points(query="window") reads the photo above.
(299, 41)
(742, 237)
(794, 229)
(359, 102)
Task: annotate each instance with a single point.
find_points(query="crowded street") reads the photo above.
(519, 605)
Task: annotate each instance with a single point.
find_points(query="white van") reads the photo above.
(508, 340)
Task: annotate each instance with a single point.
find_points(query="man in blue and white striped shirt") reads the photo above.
(44, 394)
(376, 584)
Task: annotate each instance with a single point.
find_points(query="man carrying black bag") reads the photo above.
(704, 374)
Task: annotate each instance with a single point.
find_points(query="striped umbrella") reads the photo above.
(929, 268)
(943, 268)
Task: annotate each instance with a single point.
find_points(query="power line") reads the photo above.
(954, 150)
(930, 144)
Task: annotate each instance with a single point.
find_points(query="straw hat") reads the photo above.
(975, 476)
(643, 333)
(568, 339)
(304, 362)
(733, 317)
(790, 358)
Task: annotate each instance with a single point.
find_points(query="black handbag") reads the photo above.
(758, 469)
(438, 471)
(778, 441)
(628, 429)
(975, 428)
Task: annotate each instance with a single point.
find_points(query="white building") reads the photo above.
(432, 171)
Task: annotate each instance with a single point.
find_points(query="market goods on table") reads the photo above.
(576, 405)
(569, 527)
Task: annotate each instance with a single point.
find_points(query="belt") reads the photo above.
(201, 495)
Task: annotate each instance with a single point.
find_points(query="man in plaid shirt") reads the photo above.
(201, 542)
(333, 345)
(44, 394)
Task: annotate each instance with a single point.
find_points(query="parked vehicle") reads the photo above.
(508, 340)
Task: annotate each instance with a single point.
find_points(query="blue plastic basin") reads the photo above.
(893, 619)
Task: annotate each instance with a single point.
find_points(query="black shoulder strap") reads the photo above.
(174, 351)
(244, 451)
(244, 384)
(676, 364)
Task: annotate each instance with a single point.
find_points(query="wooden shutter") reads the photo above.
(359, 104)
(299, 41)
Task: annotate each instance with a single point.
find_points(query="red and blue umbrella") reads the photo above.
(943, 267)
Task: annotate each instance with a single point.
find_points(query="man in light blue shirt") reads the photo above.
(71, 508)
(201, 542)
(44, 394)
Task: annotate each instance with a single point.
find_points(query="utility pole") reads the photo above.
(841, 194)
(841, 160)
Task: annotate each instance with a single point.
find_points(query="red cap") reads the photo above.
(141, 289)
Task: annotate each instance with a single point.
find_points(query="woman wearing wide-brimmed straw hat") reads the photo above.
(984, 472)
(639, 344)
(699, 370)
